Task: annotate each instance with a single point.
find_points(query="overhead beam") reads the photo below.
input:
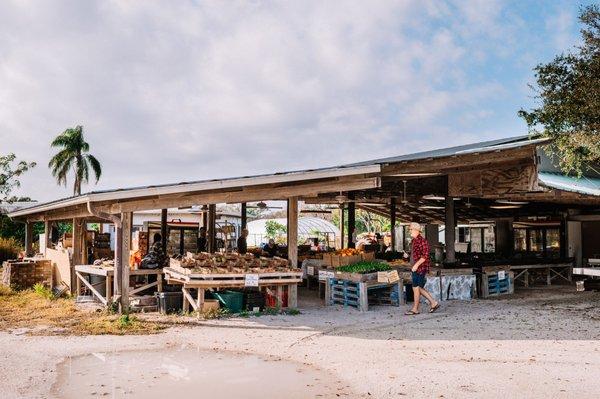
(498, 182)
(246, 195)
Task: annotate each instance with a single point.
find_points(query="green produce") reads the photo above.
(365, 267)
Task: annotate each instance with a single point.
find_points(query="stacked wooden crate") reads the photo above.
(23, 275)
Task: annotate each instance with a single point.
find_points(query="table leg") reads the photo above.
(159, 280)
(327, 292)
(526, 278)
(108, 289)
(401, 299)
(78, 286)
(280, 296)
(363, 297)
(292, 296)
(200, 301)
(186, 305)
(548, 278)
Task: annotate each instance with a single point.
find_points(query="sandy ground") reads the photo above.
(538, 343)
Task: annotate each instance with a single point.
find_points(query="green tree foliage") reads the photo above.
(274, 229)
(568, 92)
(74, 155)
(10, 170)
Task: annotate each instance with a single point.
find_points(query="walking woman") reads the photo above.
(419, 260)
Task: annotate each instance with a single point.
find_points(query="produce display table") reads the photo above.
(530, 273)
(209, 281)
(81, 271)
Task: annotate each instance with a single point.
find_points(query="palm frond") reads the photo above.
(95, 164)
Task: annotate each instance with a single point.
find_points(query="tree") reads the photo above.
(568, 90)
(274, 228)
(73, 154)
(9, 175)
(10, 171)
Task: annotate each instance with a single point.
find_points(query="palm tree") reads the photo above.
(73, 154)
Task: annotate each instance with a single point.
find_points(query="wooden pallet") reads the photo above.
(356, 293)
(492, 285)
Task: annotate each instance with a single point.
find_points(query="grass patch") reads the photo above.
(37, 309)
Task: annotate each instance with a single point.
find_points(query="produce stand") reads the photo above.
(81, 271)
(203, 282)
(204, 271)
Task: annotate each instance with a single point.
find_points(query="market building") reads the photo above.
(501, 198)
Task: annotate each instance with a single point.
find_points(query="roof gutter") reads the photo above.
(103, 215)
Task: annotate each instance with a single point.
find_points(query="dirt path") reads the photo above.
(544, 344)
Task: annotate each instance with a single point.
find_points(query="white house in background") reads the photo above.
(307, 228)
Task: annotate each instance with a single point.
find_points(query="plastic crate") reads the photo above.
(169, 302)
(231, 300)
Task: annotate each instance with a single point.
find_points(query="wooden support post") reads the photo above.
(47, 233)
(293, 296)
(163, 229)
(125, 248)
(244, 214)
(393, 222)
(351, 220)
(342, 228)
(212, 227)
(78, 233)
(449, 231)
(28, 238)
(292, 231)
(205, 219)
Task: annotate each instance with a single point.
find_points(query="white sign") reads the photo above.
(501, 275)
(324, 275)
(251, 280)
(310, 270)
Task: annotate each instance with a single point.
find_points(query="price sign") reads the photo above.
(310, 270)
(251, 280)
(324, 275)
(501, 275)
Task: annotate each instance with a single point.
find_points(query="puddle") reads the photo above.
(175, 372)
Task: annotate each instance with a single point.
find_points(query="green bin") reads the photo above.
(232, 300)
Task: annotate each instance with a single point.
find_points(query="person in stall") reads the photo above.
(155, 258)
(242, 242)
(271, 248)
(202, 241)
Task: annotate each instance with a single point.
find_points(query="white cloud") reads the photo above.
(179, 91)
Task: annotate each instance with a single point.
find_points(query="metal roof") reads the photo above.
(372, 166)
(584, 185)
(483, 146)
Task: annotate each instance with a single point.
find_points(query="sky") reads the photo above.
(172, 91)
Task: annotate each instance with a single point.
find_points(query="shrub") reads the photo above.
(9, 249)
(43, 291)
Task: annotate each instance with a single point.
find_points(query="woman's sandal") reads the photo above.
(411, 313)
(433, 309)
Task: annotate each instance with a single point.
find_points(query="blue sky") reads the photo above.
(176, 91)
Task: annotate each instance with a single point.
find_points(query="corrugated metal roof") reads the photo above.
(483, 146)
(583, 185)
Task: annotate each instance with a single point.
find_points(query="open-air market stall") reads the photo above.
(504, 185)
(214, 272)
